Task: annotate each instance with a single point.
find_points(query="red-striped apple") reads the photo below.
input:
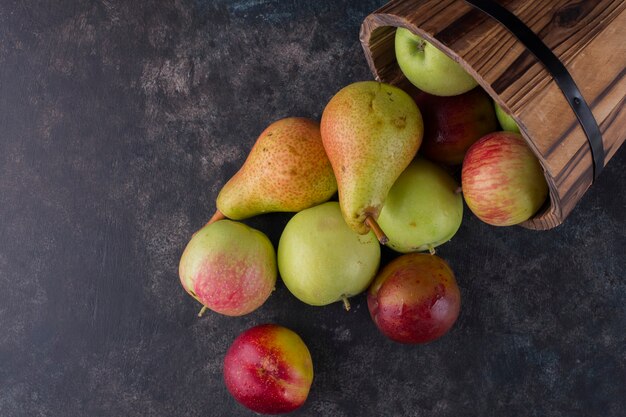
(269, 369)
(453, 124)
(502, 180)
(414, 299)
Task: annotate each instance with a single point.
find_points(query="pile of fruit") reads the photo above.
(365, 147)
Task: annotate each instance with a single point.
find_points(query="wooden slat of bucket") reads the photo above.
(562, 33)
(574, 30)
(565, 152)
(614, 125)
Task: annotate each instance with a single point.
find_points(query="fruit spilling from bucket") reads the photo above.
(382, 167)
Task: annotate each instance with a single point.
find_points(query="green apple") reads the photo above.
(505, 119)
(321, 260)
(229, 267)
(428, 68)
(423, 208)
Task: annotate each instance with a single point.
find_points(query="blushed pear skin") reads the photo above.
(371, 132)
(287, 170)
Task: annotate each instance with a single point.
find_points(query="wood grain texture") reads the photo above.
(589, 38)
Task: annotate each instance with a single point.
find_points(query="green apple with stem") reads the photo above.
(322, 260)
(428, 68)
(423, 209)
(228, 267)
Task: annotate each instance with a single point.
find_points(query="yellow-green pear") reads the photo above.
(423, 208)
(371, 132)
(286, 170)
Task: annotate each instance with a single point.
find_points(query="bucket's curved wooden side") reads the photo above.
(589, 38)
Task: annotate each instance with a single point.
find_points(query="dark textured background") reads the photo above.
(119, 123)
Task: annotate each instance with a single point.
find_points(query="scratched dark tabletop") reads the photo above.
(119, 123)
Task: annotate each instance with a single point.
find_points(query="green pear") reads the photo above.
(505, 120)
(286, 170)
(423, 208)
(428, 68)
(321, 260)
(371, 131)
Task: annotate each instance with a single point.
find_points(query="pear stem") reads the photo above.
(458, 190)
(346, 303)
(218, 215)
(431, 249)
(380, 235)
(202, 310)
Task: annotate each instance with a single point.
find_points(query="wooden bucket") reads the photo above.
(589, 38)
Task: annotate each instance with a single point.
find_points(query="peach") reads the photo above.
(414, 299)
(269, 369)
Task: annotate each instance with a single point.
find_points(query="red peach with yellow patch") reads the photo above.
(269, 369)
(414, 299)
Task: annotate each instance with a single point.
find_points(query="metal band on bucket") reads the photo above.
(558, 71)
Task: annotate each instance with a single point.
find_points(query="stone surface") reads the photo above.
(119, 123)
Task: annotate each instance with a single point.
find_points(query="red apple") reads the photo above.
(269, 369)
(502, 180)
(453, 124)
(414, 299)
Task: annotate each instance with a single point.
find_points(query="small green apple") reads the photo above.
(428, 68)
(505, 120)
(423, 209)
(321, 260)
